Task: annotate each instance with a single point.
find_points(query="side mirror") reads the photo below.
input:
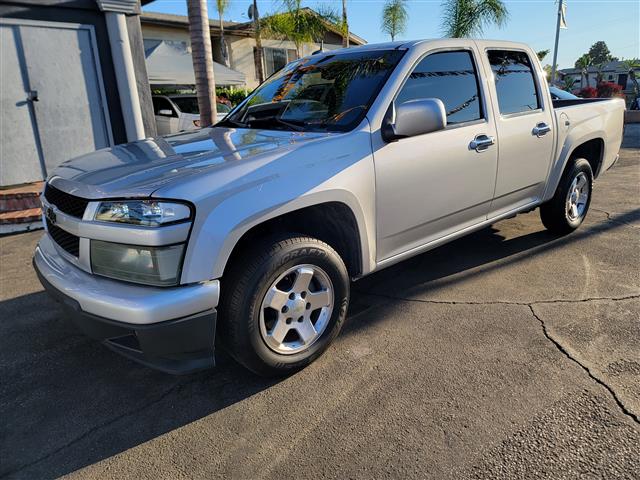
(165, 112)
(415, 117)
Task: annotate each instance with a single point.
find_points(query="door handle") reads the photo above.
(541, 129)
(481, 142)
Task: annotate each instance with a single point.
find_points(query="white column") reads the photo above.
(125, 74)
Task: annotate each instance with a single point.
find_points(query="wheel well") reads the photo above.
(333, 223)
(592, 151)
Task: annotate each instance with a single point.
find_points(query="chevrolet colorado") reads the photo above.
(246, 234)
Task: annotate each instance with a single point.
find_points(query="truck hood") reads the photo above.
(139, 169)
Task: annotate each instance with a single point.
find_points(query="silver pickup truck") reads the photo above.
(247, 234)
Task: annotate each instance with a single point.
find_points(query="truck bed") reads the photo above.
(577, 101)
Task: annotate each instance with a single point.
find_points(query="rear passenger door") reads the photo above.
(524, 123)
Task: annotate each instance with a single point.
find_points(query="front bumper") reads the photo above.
(170, 329)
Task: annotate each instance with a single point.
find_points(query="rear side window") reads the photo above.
(515, 82)
(451, 77)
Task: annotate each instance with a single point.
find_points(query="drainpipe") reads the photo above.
(114, 14)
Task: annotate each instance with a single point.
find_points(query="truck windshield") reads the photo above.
(318, 93)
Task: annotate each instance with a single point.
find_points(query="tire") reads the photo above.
(268, 332)
(568, 207)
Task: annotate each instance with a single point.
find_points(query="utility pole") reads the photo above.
(555, 49)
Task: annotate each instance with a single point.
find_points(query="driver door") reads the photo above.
(432, 185)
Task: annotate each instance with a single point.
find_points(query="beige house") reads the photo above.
(614, 72)
(174, 30)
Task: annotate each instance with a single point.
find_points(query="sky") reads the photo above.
(617, 22)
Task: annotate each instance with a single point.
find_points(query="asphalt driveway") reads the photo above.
(509, 353)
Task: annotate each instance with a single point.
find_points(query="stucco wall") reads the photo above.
(241, 53)
(240, 47)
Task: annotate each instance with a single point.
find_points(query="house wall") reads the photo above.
(159, 32)
(242, 59)
(240, 47)
(609, 76)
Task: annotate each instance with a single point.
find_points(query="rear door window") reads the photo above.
(515, 82)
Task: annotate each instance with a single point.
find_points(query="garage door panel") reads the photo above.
(19, 159)
(62, 69)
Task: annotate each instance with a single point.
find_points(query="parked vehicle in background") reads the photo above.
(559, 94)
(176, 113)
(341, 164)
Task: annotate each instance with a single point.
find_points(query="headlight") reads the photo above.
(149, 213)
(149, 265)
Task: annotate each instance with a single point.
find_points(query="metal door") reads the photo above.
(56, 83)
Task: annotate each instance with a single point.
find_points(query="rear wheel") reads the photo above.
(570, 204)
(283, 303)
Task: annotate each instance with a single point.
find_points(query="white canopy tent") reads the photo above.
(171, 64)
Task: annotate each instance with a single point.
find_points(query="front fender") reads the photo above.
(346, 178)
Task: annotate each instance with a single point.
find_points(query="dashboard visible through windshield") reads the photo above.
(318, 93)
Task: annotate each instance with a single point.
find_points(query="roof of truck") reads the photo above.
(406, 44)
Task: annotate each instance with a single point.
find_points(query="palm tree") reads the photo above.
(222, 7)
(600, 73)
(466, 18)
(394, 18)
(547, 70)
(202, 60)
(255, 15)
(345, 25)
(299, 24)
(583, 63)
(568, 83)
(542, 54)
(632, 65)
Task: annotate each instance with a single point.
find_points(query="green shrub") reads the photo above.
(235, 95)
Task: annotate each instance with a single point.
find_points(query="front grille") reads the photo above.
(69, 243)
(67, 203)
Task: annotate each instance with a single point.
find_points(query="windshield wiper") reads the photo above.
(232, 123)
(297, 125)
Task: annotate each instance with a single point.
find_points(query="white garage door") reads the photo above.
(52, 98)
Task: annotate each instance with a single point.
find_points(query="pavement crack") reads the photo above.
(545, 331)
(567, 354)
(612, 219)
(499, 302)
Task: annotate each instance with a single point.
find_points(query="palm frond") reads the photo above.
(467, 18)
(298, 24)
(222, 5)
(394, 18)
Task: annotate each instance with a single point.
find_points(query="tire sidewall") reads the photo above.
(302, 253)
(580, 166)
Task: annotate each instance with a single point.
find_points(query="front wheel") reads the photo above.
(283, 303)
(570, 204)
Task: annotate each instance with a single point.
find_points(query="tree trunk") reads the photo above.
(634, 81)
(202, 60)
(223, 45)
(345, 25)
(256, 26)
